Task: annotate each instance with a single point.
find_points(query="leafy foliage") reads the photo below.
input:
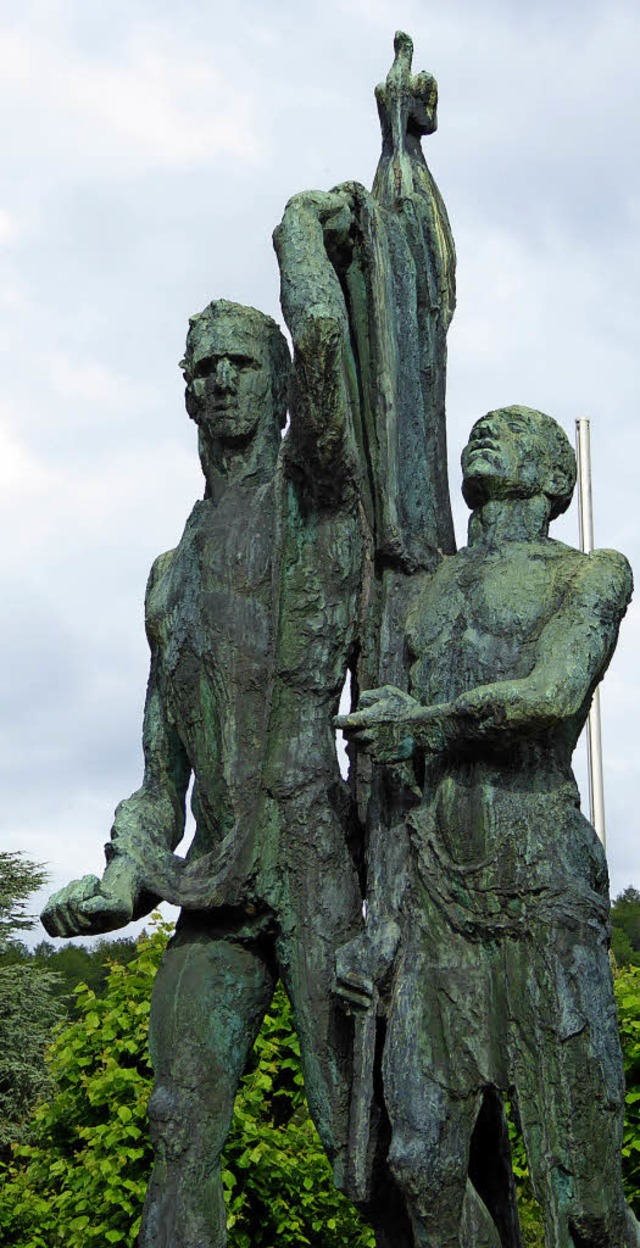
(89, 1149)
(29, 1010)
(72, 963)
(627, 986)
(19, 878)
(625, 918)
(82, 1177)
(279, 1187)
(528, 1208)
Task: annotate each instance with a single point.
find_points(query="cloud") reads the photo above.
(9, 228)
(159, 103)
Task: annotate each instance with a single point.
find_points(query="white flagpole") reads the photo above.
(594, 733)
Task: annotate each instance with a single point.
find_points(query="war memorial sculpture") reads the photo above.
(478, 968)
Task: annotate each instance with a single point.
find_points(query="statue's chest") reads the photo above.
(479, 620)
(217, 594)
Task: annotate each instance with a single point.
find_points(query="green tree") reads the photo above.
(622, 950)
(81, 1178)
(19, 878)
(82, 964)
(627, 987)
(71, 963)
(29, 1010)
(625, 917)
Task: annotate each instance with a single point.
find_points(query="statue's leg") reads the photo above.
(322, 911)
(569, 1083)
(428, 1158)
(431, 1121)
(306, 963)
(209, 999)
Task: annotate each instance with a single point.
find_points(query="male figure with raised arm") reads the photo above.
(268, 887)
(503, 982)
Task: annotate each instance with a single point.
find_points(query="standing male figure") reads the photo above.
(503, 983)
(266, 892)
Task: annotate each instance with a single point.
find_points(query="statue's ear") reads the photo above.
(565, 480)
(559, 489)
(557, 482)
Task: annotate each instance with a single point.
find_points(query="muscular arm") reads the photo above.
(573, 652)
(308, 241)
(151, 821)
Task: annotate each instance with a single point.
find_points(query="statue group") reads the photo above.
(439, 919)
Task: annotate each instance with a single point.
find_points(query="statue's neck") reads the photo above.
(509, 520)
(227, 465)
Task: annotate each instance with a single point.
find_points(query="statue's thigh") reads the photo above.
(431, 1125)
(208, 1002)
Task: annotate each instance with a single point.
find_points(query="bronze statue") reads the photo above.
(503, 983)
(301, 565)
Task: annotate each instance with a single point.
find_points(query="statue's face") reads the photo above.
(506, 457)
(229, 389)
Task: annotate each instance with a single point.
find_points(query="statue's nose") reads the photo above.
(225, 375)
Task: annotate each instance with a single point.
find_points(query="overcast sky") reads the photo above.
(148, 153)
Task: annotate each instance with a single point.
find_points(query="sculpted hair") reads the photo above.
(558, 453)
(563, 463)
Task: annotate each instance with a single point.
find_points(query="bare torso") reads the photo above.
(210, 612)
(499, 835)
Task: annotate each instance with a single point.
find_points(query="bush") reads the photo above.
(627, 987)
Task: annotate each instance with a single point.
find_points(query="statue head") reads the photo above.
(516, 452)
(236, 367)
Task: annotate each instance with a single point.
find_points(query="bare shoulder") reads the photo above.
(156, 595)
(603, 577)
(159, 569)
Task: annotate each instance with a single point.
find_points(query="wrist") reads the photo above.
(123, 875)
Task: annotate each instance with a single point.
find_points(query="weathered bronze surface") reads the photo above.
(481, 967)
(503, 983)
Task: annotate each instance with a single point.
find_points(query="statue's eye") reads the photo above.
(205, 368)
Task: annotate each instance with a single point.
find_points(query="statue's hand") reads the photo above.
(382, 724)
(391, 696)
(89, 906)
(330, 212)
(364, 963)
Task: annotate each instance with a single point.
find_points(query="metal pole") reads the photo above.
(594, 732)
